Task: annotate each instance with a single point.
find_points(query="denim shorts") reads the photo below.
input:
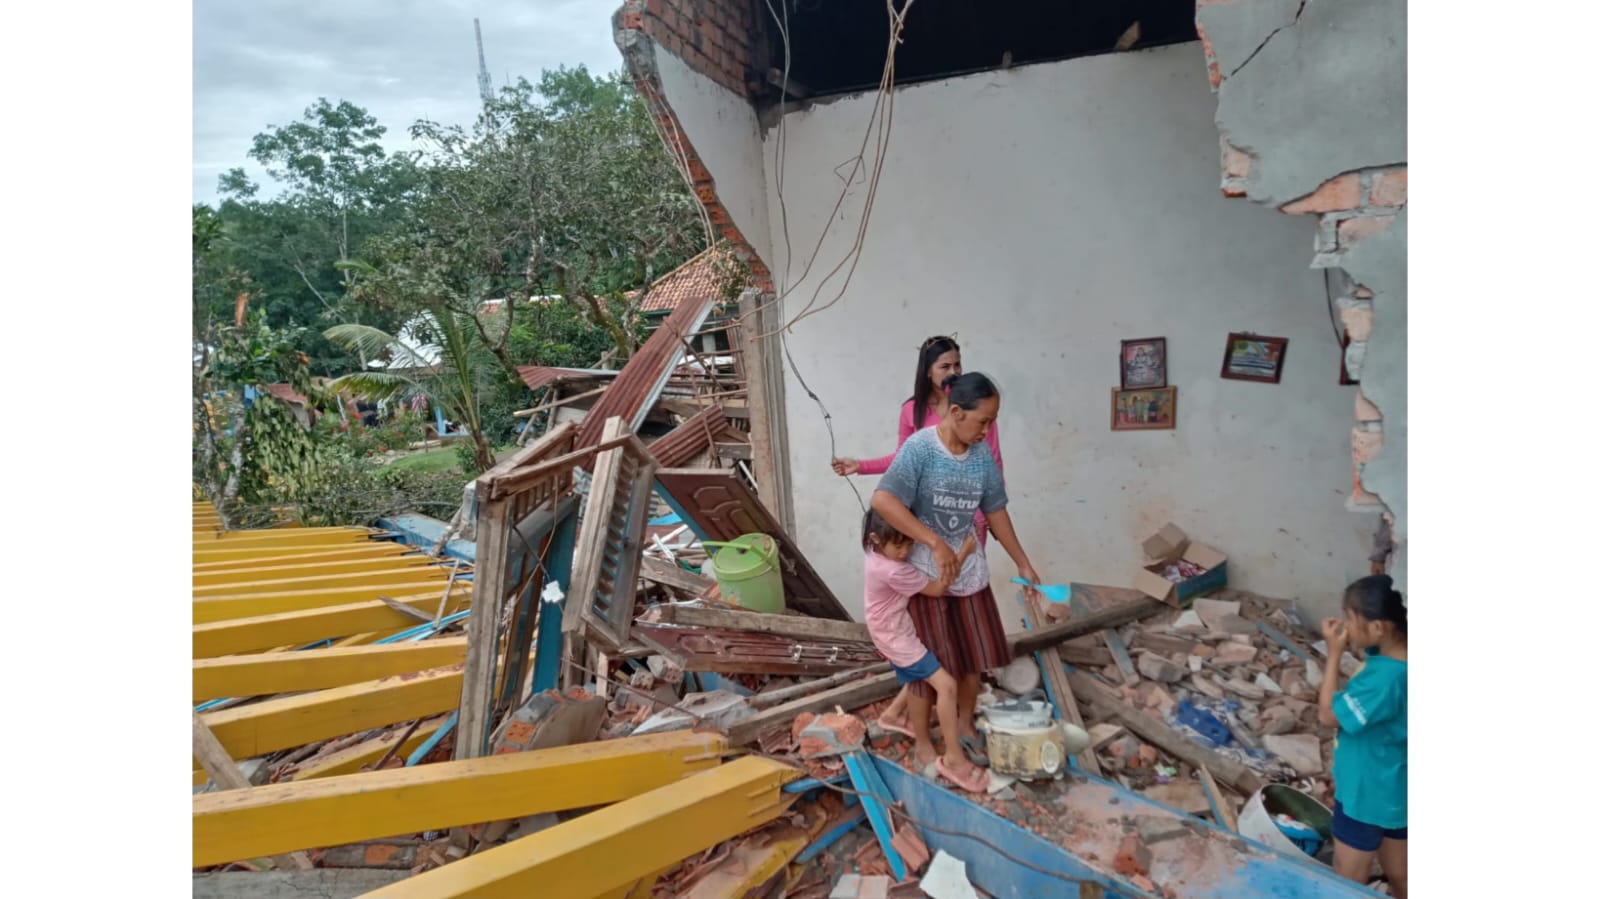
(917, 671)
(1358, 836)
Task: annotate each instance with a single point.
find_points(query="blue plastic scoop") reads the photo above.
(1052, 592)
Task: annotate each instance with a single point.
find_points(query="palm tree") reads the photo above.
(439, 356)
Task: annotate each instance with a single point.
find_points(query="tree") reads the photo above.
(454, 381)
(558, 189)
(341, 187)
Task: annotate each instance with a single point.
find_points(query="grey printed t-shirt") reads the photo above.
(944, 491)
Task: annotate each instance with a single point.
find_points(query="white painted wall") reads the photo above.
(1043, 214)
(721, 125)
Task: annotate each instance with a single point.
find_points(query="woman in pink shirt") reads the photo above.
(938, 360)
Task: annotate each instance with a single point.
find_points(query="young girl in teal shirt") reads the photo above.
(1369, 754)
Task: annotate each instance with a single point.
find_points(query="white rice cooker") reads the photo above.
(1025, 741)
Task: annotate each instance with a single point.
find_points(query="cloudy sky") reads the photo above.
(262, 62)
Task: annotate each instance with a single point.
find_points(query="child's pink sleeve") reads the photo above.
(881, 464)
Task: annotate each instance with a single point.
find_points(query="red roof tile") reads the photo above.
(697, 279)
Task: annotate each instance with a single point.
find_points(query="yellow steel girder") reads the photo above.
(270, 569)
(332, 811)
(211, 611)
(298, 628)
(290, 721)
(309, 536)
(394, 575)
(318, 669)
(230, 559)
(616, 847)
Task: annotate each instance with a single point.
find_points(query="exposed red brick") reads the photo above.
(1213, 70)
(633, 20)
(1341, 192)
(1365, 410)
(1235, 162)
(519, 732)
(912, 849)
(1365, 445)
(1133, 857)
(379, 854)
(1357, 229)
(1357, 322)
(1388, 188)
(1358, 494)
(1363, 294)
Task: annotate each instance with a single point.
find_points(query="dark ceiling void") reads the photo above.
(838, 46)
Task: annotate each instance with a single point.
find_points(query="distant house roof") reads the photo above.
(286, 393)
(697, 279)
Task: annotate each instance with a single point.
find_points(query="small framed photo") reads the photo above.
(1251, 357)
(1151, 409)
(1144, 363)
(1344, 369)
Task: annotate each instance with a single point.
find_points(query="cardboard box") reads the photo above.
(1167, 546)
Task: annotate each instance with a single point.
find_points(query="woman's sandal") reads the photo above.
(973, 780)
(897, 729)
(973, 746)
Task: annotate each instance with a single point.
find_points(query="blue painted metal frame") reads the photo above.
(548, 643)
(831, 836)
(1264, 873)
(428, 745)
(864, 775)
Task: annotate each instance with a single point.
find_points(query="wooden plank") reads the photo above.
(614, 847)
(225, 774)
(605, 564)
(660, 571)
(1031, 641)
(736, 652)
(762, 369)
(719, 506)
(1187, 796)
(849, 696)
(797, 626)
(318, 669)
(1055, 676)
(297, 628)
(333, 811)
(787, 694)
(1157, 732)
(1221, 806)
(1119, 651)
(359, 756)
(291, 721)
(1104, 733)
(1084, 656)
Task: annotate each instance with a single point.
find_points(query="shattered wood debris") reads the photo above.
(1195, 709)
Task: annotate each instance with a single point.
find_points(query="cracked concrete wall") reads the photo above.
(1043, 214)
(1311, 111)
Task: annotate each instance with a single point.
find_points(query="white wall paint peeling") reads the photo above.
(721, 125)
(1045, 214)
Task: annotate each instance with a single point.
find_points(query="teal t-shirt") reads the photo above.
(1369, 754)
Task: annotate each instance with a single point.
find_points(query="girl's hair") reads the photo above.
(1375, 599)
(922, 388)
(970, 389)
(873, 525)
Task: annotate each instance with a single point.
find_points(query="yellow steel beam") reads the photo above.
(615, 847)
(750, 867)
(315, 536)
(289, 721)
(229, 559)
(352, 759)
(316, 580)
(332, 811)
(299, 628)
(271, 569)
(318, 669)
(211, 611)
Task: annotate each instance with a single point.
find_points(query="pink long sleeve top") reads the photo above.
(908, 427)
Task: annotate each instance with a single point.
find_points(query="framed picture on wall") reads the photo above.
(1344, 370)
(1151, 409)
(1251, 357)
(1144, 363)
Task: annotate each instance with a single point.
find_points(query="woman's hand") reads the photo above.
(1027, 573)
(1333, 631)
(844, 466)
(945, 558)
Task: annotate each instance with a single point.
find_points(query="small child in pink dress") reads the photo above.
(890, 583)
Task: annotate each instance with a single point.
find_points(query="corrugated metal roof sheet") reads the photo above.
(691, 438)
(646, 374)
(537, 376)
